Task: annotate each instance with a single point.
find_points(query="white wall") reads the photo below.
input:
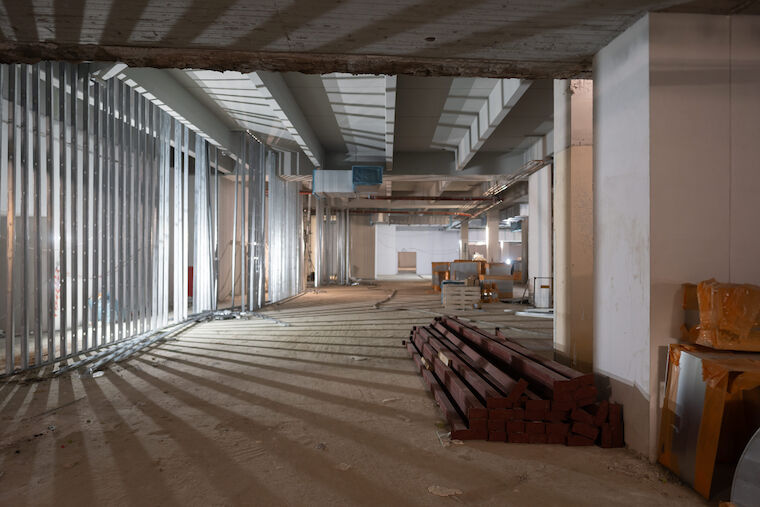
(430, 245)
(677, 175)
(621, 222)
(540, 227)
(386, 256)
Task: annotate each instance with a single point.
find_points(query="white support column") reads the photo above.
(574, 234)
(539, 233)
(464, 239)
(493, 249)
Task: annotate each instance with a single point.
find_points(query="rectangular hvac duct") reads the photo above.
(333, 183)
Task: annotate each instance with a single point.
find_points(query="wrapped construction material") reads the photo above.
(729, 316)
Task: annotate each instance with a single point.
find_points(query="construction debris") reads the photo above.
(491, 388)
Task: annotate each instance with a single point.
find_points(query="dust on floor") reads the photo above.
(326, 410)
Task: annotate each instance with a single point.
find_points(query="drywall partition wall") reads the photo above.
(745, 149)
(362, 249)
(621, 225)
(431, 245)
(386, 258)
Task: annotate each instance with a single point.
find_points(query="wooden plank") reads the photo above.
(505, 383)
(432, 348)
(566, 371)
(541, 378)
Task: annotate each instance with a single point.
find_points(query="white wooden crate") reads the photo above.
(460, 297)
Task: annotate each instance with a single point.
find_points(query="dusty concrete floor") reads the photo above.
(326, 411)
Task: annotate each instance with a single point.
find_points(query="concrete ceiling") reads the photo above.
(485, 38)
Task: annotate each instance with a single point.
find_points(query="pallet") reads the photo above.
(460, 297)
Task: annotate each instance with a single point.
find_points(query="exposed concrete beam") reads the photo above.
(390, 119)
(503, 96)
(275, 90)
(278, 61)
(166, 89)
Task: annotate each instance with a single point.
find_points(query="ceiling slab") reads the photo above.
(487, 38)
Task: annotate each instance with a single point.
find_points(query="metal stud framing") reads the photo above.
(96, 214)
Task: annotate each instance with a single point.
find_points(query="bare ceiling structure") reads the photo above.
(449, 97)
(481, 38)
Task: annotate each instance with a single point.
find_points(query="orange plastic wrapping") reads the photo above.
(729, 316)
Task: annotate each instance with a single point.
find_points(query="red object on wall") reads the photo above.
(189, 281)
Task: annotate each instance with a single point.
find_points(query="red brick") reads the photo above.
(587, 430)
(517, 438)
(537, 438)
(497, 425)
(517, 390)
(555, 439)
(615, 414)
(585, 392)
(601, 412)
(539, 405)
(515, 427)
(533, 427)
(535, 415)
(563, 396)
(618, 439)
(518, 414)
(563, 405)
(497, 436)
(557, 428)
(498, 403)
(477, 413)
(564, 386)
(580, 415)
(558, 416)
(500, 414)
(585, 402)
(578, 440)
(479, 424)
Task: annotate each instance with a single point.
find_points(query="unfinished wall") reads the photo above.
(677, 98)
(621, 225)
(362, 249)
(430, 245)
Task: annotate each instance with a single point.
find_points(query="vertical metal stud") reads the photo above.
(65, 183)
(50, 222)
(97, 170)
(185, 219)
(7, 168)
(36, 188)
(86, 247)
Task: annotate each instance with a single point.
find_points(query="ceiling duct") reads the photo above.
(341, 183)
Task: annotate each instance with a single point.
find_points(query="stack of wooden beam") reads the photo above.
(489, 387)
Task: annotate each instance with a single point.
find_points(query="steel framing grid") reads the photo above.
(95, 215)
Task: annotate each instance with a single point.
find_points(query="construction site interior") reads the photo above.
(391, 253)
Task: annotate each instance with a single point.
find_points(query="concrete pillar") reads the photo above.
(493, 248)
(539, 233)
(676, 116)
(573, 222)
(464, 239)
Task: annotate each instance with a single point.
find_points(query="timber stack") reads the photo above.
(491, 388)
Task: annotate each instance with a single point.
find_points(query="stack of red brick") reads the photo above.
(490, 387)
